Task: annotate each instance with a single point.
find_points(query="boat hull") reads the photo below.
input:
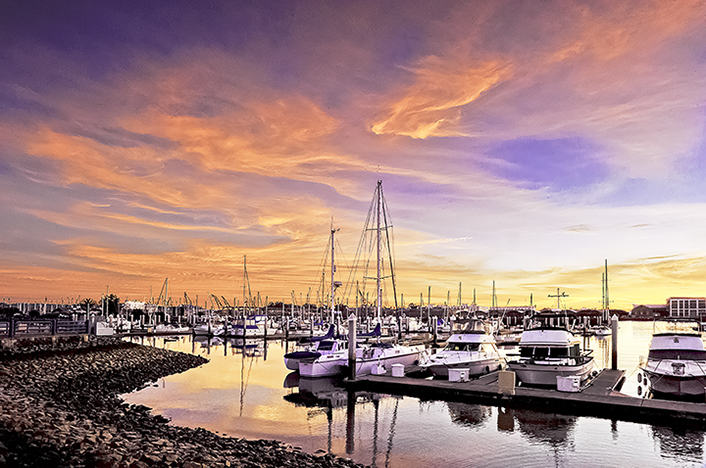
(406, 356)
(544, 375)
(292, 360)
(329, 365)
(666, 386)
(325, 366)
(475, 367)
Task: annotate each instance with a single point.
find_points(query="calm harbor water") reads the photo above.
(246, 391)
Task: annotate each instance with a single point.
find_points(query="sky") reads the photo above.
(518, 142)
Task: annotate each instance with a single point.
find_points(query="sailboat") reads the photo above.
(311, 348)
(378, 355)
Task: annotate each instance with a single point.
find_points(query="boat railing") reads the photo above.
(678, 368)
(558, 360)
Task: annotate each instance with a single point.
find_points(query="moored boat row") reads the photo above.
(674, 368)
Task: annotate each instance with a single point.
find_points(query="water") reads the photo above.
(246, 391)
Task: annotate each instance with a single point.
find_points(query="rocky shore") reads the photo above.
(60, 407)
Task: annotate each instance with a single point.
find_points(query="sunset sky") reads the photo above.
(519, 142)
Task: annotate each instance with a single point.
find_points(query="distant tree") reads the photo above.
(112, 304)
(87, 304)
(135, 314)
(9, 311)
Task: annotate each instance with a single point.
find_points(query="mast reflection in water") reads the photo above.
(246, 391)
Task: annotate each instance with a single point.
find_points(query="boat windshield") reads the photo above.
(326, 345)
(462, 347)
(540, 352)
(678, 354)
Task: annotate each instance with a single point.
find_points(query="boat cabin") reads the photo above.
(677, 346)
(541, 352)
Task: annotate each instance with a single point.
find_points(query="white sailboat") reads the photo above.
(377, 356)
(312, 348)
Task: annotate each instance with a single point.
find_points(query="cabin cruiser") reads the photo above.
(378, 356)
(550, 352)
(676, 365)
(470, 347)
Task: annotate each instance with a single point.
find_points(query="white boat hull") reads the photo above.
(407, 356)
(335, 364)
(545, 374)
(325, 366)
(475, 367)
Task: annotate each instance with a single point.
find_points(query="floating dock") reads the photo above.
(598, 398)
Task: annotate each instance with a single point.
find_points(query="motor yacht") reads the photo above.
(471, 347)
(550, 352)
(676, 365)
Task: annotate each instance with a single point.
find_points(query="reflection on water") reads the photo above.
(246, 391)
(552, 429)
(679, 442)
(468, 415)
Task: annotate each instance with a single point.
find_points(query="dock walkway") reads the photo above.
(598, 399)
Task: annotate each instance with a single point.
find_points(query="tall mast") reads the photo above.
(333, 272)
(245, 275)
(379, 257)
(606, 306)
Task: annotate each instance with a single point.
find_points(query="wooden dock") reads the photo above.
(599, 398)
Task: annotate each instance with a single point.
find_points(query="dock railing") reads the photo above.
(13, 327)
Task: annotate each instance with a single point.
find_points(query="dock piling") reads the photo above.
(351, 347)
(506, 382)
(614, 356)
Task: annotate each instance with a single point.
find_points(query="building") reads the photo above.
(691, 308)
(649, 311)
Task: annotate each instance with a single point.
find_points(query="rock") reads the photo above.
(190, 464)
(62, 408)
(150, 459)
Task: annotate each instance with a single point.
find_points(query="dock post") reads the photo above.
(399, 325)
(435, 328)
(350, 422)
(614, 325)
(351, 347)
(506, 382)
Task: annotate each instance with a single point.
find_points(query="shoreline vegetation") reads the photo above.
(61, 407)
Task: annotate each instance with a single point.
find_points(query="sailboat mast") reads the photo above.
(607, 300)
(379, 257)
(245, 276)
(333, 272)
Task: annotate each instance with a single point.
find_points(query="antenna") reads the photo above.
(558, 297)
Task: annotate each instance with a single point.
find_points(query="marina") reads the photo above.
(246, 391)
(200, 267)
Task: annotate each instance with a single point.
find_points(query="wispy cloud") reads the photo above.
(512, 146)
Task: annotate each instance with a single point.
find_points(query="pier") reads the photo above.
(599, 398)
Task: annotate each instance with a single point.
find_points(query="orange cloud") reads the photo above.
(625, 28)
(432, 105)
